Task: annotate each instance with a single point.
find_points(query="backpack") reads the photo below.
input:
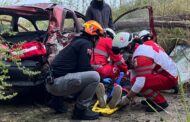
(28, 50)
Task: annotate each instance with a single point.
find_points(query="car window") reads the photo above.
(81, 20)
(42, 25)
(5, 23)
(25, 25)
(134, 21)
(69, 23)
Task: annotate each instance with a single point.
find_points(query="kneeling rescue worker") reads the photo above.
(102, 53)
(108, 65)
(154, 70)
(73, 73)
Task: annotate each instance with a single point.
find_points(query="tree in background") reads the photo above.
(57, 1)
(8, 2)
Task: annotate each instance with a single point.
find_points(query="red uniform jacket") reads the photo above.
(103, 51)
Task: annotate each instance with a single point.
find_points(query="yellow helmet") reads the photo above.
(93, 28)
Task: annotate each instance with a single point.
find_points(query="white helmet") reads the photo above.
(122, 39)
(110, 32)
(143, 33)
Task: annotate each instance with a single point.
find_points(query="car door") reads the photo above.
(81, 17)
(135, 20)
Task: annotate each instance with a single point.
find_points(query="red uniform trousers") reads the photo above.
(154, 83)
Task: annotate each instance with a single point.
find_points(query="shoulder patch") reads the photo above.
(89, 51)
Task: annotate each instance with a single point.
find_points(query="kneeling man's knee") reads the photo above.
(95, 76)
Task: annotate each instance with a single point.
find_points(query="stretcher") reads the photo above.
(104, 111)
(107, 110)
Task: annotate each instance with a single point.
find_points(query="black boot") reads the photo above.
(176, 89)
(157, 107)
(57, 103)
(84, 114)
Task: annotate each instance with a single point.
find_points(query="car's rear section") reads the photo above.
(22, 24)
(48, 24)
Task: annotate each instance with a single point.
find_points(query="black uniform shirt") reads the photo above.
(73, 58)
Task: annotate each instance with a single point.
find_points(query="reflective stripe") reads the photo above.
(147, 92)
(96, 66)
(120, 62)
(146, 67)
(153, 96)
(101, 52)
(143, 73)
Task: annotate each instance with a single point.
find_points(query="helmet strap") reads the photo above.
(147, 37)
(95, 40)
(131, 46)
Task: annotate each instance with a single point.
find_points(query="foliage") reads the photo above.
(166, 37)
(184, 100)
(8, 2)
(3, 74)
(56, 1)
(4, 56)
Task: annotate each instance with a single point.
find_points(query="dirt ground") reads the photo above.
(39, 113)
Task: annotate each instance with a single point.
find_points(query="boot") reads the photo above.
(176, 89)
(158, 107)
(101, 96)
(116, 97)
(57, 103)
(173, 90)
(84, 114)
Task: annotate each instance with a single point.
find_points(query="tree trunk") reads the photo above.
(173, 18)
(166, 24)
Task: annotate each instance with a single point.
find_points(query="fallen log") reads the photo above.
(173, 18)
(173, 24)
(122, 25)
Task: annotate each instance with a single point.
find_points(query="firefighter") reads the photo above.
(73, 73)
(154, 70)
(104, 61)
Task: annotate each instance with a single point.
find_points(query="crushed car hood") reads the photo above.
(181, 55)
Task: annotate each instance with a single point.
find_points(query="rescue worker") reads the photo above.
(100, 62)
(145, 35)
(100, 12)
(73, 73)
(154, 70)
(100, 59)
